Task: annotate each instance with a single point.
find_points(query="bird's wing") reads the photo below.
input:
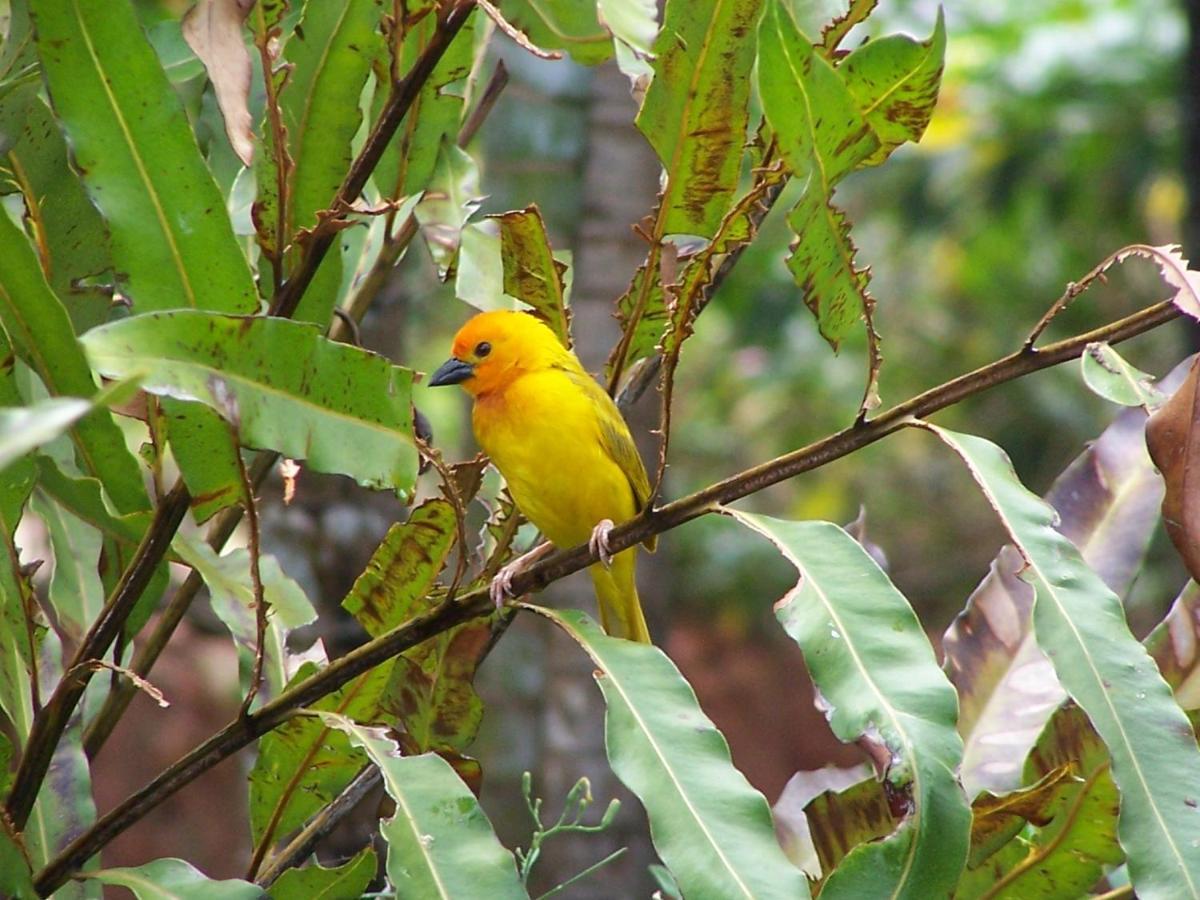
(616, 440)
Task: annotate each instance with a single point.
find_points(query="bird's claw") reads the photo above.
(500, 590)
(598, 543)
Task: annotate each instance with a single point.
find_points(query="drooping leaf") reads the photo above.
(711, 828)
(895, 80)
(205, 449)
(532, 274)
(1066, 854)
(71, 237)
(696, 110)
(76, 594)
(561, 25)
(42, 336)
(393, 586)
(873, 664)
(997, 818)
(791, 823)
(434, 696)
(330, 57)
(283, 385)
(1079, 620)
(171, 236)
(304, 764)
(175, 879)
(315, 882)
(213, 29)
(841, 820)
(440, 843)
(1107, 503)
(1108, 374)
(1173, 439)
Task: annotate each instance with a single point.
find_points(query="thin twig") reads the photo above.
(242, 731)
(261, 610)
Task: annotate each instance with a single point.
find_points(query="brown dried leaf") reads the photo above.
(996, 819)
(1175, 646)
(791, 823)
(213, 29)
(1173, 439)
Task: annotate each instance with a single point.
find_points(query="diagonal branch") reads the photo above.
(242, 731)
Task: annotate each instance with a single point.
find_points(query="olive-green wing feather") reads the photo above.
(617, 441)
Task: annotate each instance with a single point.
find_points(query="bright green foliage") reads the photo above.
(1107, 373)
(171, 236)
(315, 882)
(175, 879)
(1079, 621)
(567, 25)
(696, 110)
(532, 274)
(871, 661)
(711, 828)
(440, 843)
(281, 384)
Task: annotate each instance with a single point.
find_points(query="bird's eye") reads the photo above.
(482, 349)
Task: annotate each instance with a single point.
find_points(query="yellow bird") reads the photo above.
(562, 446)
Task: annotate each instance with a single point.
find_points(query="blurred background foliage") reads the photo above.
(1058, 138)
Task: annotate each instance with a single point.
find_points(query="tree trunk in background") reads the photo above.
(619, 185)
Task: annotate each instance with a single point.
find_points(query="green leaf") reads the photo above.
(205, 448)
(842, 820)
(42, 335)
(345, 882)
(643, 307)
(997, 819)
(1107, 501)
(70, 234)
(632, 22)
(789, 811)
(16, 875)
(393, 586)
(232, 591)
(895, 81)
(330, 57)
(1107, 373)
(873, 664)
(304, 763)
(823, 136)
(711, 828)
(283, 385)
(129, 135)
(440, 843)
(434, 696)
(561, 25)
(175, 879)
(84, 499)
(1079, 621)
(408, 163)
(451, 200)
(1066, 855)
(20, 630)
(531, 272)
(76, 594)
(696, 110)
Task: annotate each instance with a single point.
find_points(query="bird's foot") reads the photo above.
(598, 543)
(501, 589)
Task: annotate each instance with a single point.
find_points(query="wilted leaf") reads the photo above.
(129, 135)
(401, 571)
(434, 696)
(875, 669)
(282, 385)
(1107, 373)
(315, 882)
(791, 823)
(711, 828)
(1173, 439)
(1081, 623)
(531, 272)
(895, 80)
(175, 879)
(696, 110)
(440, 843)
(1175, 646)
(213, 29)
(1107, 503)
(841, 820)
(997, 819)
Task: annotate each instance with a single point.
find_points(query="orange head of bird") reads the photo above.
(494, 348)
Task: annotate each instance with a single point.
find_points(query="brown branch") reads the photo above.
(242, 731)
(402, 96)
(261, 609)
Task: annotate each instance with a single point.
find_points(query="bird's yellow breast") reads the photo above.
(543, 432)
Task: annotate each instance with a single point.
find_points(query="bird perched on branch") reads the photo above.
(562, 446)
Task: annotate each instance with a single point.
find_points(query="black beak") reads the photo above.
(452, 371)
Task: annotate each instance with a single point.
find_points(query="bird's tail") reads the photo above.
(616, 593)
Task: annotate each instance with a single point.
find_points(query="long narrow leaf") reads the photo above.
(1079, 622)
(875, 668)
(711, 828)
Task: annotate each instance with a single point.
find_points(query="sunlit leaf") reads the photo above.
(873, 665)
(711, 828)
(1079, 620)
(283, 385)
(1108, 374)
(696, 110)
(440, 843)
